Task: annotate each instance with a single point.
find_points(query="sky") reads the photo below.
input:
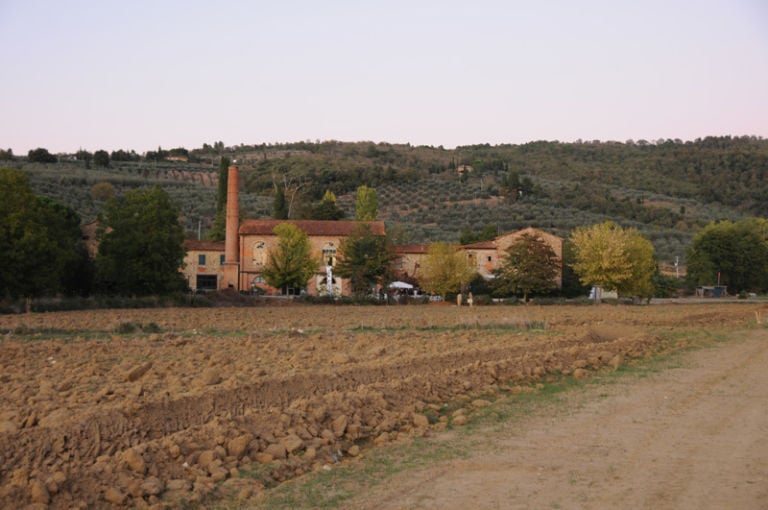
(142, 74)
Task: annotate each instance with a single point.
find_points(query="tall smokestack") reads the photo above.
(231, 240)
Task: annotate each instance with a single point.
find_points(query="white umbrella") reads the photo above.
(400, 285)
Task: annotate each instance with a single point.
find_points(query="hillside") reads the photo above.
(667, 189)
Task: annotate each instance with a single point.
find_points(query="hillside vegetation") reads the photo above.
(668, 189)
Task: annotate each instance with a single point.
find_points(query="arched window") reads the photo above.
(259, 254)
(329, 254)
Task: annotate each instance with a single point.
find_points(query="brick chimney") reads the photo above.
(231, 241)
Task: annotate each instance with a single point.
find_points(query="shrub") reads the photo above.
(125, 328)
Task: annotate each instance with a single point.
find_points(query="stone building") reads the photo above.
(238, 262)
(204, 262)
(485, 256)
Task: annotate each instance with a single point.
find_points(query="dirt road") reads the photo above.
(693, 436)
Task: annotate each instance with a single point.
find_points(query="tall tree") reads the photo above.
(613, 258)
(140, 250)
(445, 269)
(644, 267)
(218, 230)
(366, 204)
(366, 259)
(529, 265)
(101, 158)
(290, 265)
(736, 252)
(41, 243)
(280, 206)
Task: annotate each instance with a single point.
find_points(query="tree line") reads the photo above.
(140, 245)
(141, 251)
(603, 255)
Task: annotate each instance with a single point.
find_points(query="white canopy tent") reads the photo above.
(400, 285)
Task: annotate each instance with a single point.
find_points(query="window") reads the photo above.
(206, 282)
(221, 259)
(489, 258)
(329, 255)
(201, 259)
(259, 253)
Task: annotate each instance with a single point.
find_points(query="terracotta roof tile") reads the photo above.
(411, 248)
(482, 245)
(194, 244)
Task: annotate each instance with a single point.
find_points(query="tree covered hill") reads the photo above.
(667, 189)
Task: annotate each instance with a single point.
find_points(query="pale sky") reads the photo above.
(138, 74)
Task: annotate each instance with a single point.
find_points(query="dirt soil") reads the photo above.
(688, 438)
(169, 415)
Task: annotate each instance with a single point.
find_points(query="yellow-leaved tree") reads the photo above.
(613, 258)
(445, 269)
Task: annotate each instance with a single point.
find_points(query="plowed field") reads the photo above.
(93, 414)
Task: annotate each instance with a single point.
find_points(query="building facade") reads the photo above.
(484, 257)
(239, 261)
(203, 265)
(257, 239)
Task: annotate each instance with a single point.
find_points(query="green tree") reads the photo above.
(140, 250)
(41, 155)
(40, 241)
(121, 155)
(70, 258)
(529, 265)
(366, 259)
(218, 230)
(738, 252)
(325, 210)
(572, 286)
(445, 269)
(84, 155)
(613, 258)
(280, 206)
(102, 191)
(101, 158)
(644, 267)
(366, 204)
(290, 265)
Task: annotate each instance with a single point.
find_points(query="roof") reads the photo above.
(311, 227)
(482, 245)
(411, 248)
(194, 244)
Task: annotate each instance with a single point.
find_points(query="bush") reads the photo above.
(125, 328)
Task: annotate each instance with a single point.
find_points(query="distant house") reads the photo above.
(203, 264)
(256, 238)
(485, 256)
(177, 158)
(408, 261)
